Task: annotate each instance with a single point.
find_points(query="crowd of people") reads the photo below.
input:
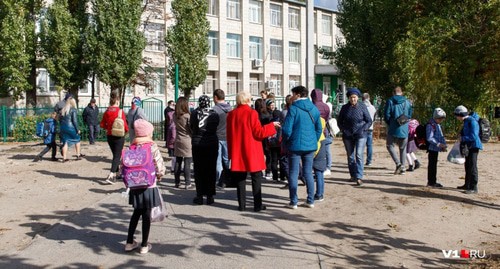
(227, 144)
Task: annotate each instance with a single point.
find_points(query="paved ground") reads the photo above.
(69, 219)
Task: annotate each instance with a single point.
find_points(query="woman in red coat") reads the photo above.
(244, 141)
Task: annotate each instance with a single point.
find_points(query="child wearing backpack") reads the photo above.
(49, 138)
(140, 172)
(411, 146)
(437, 143)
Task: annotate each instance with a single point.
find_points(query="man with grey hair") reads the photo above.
(369, 136)
(397, 113)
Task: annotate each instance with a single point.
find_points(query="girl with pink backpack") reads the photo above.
(411, 147)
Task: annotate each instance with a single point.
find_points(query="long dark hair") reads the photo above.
(181, 107)
(113, 98)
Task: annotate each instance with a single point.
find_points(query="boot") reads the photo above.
(198, 200)
(417, 164)
(410, 168)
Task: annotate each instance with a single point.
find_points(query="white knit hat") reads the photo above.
(461, 111)
(439, 113)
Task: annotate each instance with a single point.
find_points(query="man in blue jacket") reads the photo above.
(301, 131)
(397, 133)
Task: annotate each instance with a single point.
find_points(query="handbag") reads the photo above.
(159, 213)
(403, 119)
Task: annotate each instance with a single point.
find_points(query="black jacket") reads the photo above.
(91, 115)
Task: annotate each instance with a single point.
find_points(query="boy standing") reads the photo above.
(437, 143)
(49, 138)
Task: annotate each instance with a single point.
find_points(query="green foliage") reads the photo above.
(115, 43)
(14, 53)
(187, 43)
(25, 127)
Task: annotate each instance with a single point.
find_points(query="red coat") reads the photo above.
(244, 139)
(109, 117)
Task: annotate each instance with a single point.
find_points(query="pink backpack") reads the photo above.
(138, 167)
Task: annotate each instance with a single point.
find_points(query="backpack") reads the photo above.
(421, 137)
(42, 129)
(118, 127)
(484, 130)
(138, 167)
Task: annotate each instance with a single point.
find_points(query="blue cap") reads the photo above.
(352, 91)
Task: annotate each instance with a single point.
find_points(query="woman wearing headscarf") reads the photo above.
(136, 112)
(203, 124)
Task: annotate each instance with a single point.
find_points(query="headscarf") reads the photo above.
(204, 101)
(136, 101)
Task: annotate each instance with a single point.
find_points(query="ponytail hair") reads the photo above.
(113, 99)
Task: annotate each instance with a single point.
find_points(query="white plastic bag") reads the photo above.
(455, 156)
(333, 124)
(160, 212)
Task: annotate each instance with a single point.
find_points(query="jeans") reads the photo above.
(401, 143)
(116, 144)
(329, 141)
(93, 132)
(355, 150)
(222, 160)
(307, 162)
(369, 146)
(320, 183)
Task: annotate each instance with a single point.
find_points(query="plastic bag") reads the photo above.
(455, 156)
(160, 212)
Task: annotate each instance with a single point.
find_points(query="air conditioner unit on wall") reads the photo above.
(256, 63)
(271, 84)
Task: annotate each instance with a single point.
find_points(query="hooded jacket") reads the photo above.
(317, 100)
(302, 127)
(222, 109)
(470, 132)
(393, 109)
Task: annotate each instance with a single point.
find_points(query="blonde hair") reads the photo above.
(243, 98)
(70, 103)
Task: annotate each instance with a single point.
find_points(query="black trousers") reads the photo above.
(471, 174)
(116, 144)
(146, 225)
(240, 179)
(205, 172)
(52, 146)
(275, 157)
(432, 167)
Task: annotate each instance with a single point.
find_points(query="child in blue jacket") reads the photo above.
(49, 139)
(437, 143)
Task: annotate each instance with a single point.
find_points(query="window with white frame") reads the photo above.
(325, 57)
(275, 15)
(157, 81)
(326, 24)
(155, 37)
(294, 52)
(233, 83)
(274, 84)
(233, 9)
(255, 84)
(213, 7)
(233, 45)
(293, 81)
(86, 89)
(44, 83)
(213, 43)
(276, 50)
(293, 18)
(255, 11)
(255, 47)
(210, 83)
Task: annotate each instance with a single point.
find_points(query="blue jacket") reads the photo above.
(300, 131)
(394, 109)
(434, 135)
(51, 137)
(470, 132)
(354, 121)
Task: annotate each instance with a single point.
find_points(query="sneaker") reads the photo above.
(470, 191)
(398, 169)
(268, 176)
(53, 159)
(437, 185)
(410, 168)
(462, 187)
(308, 205)
(189, 187)
(37, 159)
(111, 179)
(291, 206)
(327, 172)
(130, 247)
(402, 172)
(146, 249)
(368, 164)
(359, 182)
(319, 198)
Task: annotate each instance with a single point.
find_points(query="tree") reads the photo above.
(115, 43)
(14, 51)
(187, 43)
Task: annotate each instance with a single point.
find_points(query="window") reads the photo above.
(86, 89)
(157, 81)
(233, 9)
(255, 83)
(44, 83)
(274, 84)
(210, 83)
(233, 45)
(233, 83)
(293, 81)
(276, 50)
(255, 47)
(293, 18)
(155, 37)
(294, 52)
(275, 15)
(213, 43)
(213, 7)
(315, 22)
(326, 24)
(255, 11)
